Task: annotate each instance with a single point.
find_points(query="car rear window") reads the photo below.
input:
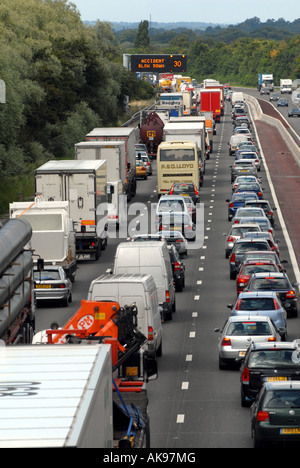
(250, 269)
(46, 275)
(257, 303)
(239, 231)
(248, 328)
(269, 284)
(251, 246)
(270, 358)
(282, 399)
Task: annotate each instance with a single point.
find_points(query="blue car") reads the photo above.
(250, 187)
(238, 200)
(282, 102)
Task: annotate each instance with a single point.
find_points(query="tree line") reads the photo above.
(63, 78)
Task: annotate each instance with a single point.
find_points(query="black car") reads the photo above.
(267, 362)
(294, 113)
(239, 120)
(280, 283)
(275, 414)
(178, 268)
(274, 97)
(240, 247)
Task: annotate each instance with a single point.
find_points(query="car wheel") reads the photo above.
(65, 302)
(70, 298)
(222, 365)
(232, 275)
(159, 350)
(244, 402)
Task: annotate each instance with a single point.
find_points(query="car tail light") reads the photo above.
(245, 375)
(171, 191)
(62, 286)
(276, 305)
(179, 240)
(272, 338)
(226, 341)
(196, 191)
(176, 266)
(187, 227)
(167, 296)
(230, 239)
(231, 205)
(290, 294)
(150, 334)
(270, 213)
(237, 307)
(237, 221)
(262, 416)
(232, 258)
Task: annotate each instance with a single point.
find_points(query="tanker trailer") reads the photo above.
(17, 321)
(151, 133)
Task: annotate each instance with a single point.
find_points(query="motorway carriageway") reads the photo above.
(193, 404)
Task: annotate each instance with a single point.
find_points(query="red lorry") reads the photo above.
(210, 101)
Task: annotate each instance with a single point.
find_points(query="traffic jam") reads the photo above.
(211, 315)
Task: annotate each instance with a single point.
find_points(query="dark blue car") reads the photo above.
(238, 200)
(250, 187)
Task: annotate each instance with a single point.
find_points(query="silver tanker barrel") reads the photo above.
(16, 317)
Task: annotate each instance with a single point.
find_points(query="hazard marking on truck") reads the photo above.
(87, 222)
(151, 134)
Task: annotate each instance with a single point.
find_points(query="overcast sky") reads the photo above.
(208, 11)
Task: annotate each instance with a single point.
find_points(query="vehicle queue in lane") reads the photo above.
(267, 293)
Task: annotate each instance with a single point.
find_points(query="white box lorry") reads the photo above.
(130, 136)
(114, 153)
(286, 86)
(139, 289)
(84, 185)
(53, 236)
(189, 131)
(56, 396)
(208, 128)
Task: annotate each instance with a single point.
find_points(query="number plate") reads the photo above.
(290, 430)
(242, 353)
(43, 286)
(275, 379)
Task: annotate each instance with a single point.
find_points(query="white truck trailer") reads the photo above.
(114, 153)
(53, 236)
(84, 185)
(130, 136)
(286, 86)
(56, 396)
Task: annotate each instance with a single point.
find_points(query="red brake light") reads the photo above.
(62, 286)
(276, 305)
(262, 416)
(246, 375)
(176, 266)
(272, 338)
(150, 333)
(237, 307)
(290, 294)
(232, 259)
(231, 204)
(259, 194)
(167, 296)
(196, 192)
(226, 341)
(230, 239)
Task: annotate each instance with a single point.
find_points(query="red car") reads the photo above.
(250, 267)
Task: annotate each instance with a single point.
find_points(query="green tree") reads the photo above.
(142, 39)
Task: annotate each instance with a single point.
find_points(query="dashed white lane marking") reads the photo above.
(185, 386)
(195, 314)
(180, 418)
(189, 357)
(196, 298)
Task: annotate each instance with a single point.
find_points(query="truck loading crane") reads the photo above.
(108, 323)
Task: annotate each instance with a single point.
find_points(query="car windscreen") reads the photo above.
(178, 155)
(270, 358)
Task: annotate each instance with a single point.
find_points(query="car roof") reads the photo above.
(288, 385)
(275, 274)
(243, 241)
(248, 318)
(258, 294)
(273, 345)
(258, 262)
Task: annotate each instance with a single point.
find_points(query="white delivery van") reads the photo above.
(152, 258)
(133, 288)
(236, 139)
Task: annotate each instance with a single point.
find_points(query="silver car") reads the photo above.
(247, 212)
(239, 332)
(250, 155)
(243, 167)
(52, 284)
(236, 232)
(177, 239)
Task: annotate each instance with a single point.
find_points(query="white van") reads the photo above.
(129, 289)
(236, 139)
(151, 258)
